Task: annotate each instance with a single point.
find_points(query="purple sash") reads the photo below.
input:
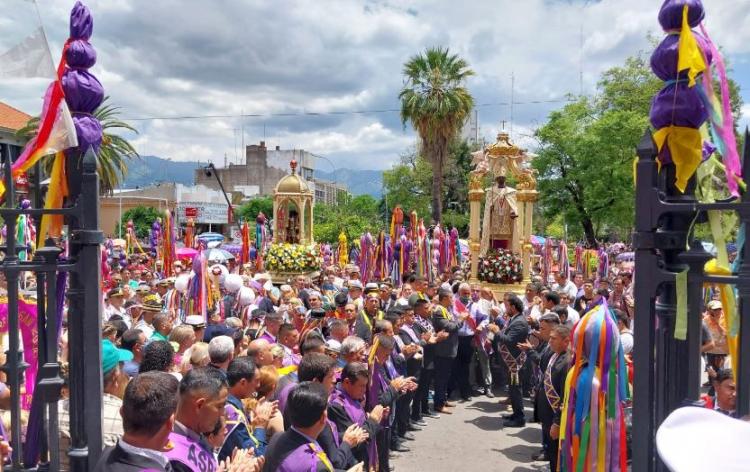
(358, 416)
(408, 330)
(235, 418)
(304, 458)
(190, 453)
(284, 395)
(335, 432)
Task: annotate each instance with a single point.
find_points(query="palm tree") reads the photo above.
(436, 102)
(114, 152)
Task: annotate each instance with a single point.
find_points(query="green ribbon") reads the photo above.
(680, 324)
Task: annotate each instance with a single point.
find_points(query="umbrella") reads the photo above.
(625, 256)
(218, 255)
(537, 240)
(186, 252)
(210, 237)
(235, 249)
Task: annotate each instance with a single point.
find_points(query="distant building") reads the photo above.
(470, 130)
(329, 193)
(11, 120)
(206, 206)
(262, 170)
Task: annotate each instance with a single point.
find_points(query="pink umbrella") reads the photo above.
(186, 252)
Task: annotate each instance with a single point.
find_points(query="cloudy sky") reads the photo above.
(281, 59)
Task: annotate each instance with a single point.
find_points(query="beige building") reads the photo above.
(329, 193)
(206, 206)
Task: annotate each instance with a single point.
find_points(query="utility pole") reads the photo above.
(512, 99)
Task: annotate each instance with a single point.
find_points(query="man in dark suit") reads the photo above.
(446, 326)
(147, 412)
(515, 333)
(540, 356)
(366, 319)
(554, 390)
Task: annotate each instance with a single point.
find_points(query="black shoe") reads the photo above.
(509, 417)
(514, 423)
(488, 393)
(540, 457)
(398, 447)
(419, 422)
(430, 414)
(407, 436)
(412, 427)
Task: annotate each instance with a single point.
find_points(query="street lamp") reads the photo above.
(335, 176)
(211, 170)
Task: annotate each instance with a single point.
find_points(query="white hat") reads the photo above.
(700, 439)
(715, 305)
(355, 284)
(195, 320)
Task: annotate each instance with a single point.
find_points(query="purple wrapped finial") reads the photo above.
(83, 91)
(670, 14)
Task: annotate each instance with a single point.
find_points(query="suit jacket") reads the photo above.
(413, 366)
(361, 327)
(447, 347)
(515, 332)
(282, 445)
(559, 373)
(428, 362)
(338, 415)
(116, 459)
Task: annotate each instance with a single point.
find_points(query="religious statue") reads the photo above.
(292, 229)
(500, 225)
(500, 221)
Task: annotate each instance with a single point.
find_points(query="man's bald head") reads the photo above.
(260, 351)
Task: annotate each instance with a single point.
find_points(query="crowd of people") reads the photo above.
(329, 373)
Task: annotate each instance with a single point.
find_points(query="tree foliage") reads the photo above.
(143, 217)
(436, 102)
(409, 184)
(586, 152)
(353, 216)
(250, 209)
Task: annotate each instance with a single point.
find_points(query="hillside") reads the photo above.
(151, 169)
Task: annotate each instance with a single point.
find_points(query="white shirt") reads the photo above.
(573, 317)
(569, 288)
(156, 456)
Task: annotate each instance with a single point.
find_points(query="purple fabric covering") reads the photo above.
(83, 92)
(670, 14)
(678, 104)
(664, 57)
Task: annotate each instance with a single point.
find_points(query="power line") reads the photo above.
(328, 113)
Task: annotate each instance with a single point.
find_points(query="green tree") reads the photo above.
(114, 153)
(143, 217)
(353, 216)
(585, 157)
(250, 209)
(436, 102)
(408, 184)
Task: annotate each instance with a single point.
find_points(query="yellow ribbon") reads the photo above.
(685, 146)
(690, 57)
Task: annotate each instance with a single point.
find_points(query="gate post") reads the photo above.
(84, 316)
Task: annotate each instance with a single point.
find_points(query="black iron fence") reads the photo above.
(668, 370)
(36, 446)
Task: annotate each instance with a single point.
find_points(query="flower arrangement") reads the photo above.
(292, 258)
(500, 267)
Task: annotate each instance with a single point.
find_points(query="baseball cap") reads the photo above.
(715, 305)
(112, 356)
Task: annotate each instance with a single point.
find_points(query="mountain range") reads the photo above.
(149, 170)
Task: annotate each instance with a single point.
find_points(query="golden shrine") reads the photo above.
(293, 209)
(502, 158)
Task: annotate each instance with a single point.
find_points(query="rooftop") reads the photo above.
(11, 118)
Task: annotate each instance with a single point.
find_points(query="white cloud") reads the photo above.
(192, 58)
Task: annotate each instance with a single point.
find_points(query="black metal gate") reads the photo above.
(82, 265)
(668, 370)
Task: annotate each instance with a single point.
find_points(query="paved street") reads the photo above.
(473, 439)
